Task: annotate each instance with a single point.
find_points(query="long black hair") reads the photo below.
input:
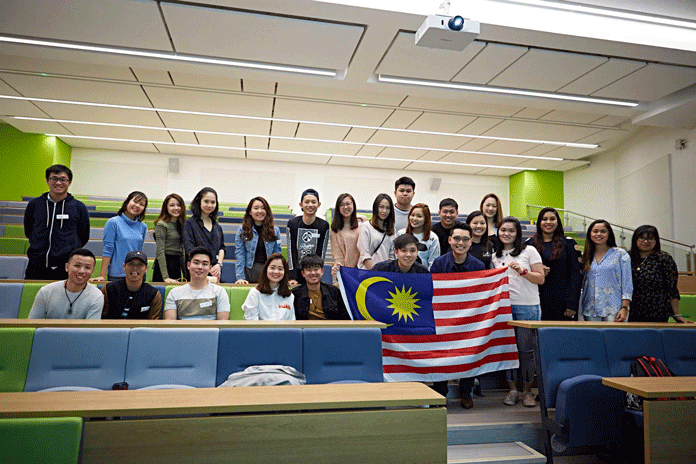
(388, 224)
(590, 246)
(537, 241)
(196, 203)
(337, 222)
(473, 215)
(519, 244)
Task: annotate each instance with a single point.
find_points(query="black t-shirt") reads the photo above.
(483, 253)
(260, 253)
(442, 235)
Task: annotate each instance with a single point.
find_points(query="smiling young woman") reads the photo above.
(420, 226)
(169, 228)
(256, 239)
(203, 230)
(376, 237)
(271, 299)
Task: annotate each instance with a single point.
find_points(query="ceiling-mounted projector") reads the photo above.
(447, 32)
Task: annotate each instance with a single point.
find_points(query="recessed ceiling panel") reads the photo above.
(492, 60)
(609, 72)
(437, 122)
(370, 163)
(329, 112)
(509, 147)
(260, 37)
(650, 83)
(284, 129)
(481, 159)
(405, 59)
(401, 119)
(370, 151)
(417, 140)
(68, 68)
(212, 102)
(540, 131)
(339, 94)
(232, 141)
(425, 103)
(152, 76)
(285, 158)
(480, 125)
(184, 137)
(532, 113)
(214, 123)
(95, 114)
(311, 131)
(401, 153)
(359, 135)
(38, 127)
(119, 132)
(127, 23)
(17, 107)
(571, 116)
(110, 145)
(546, 70)
(314, 147)
(206, 82)
(253, 86)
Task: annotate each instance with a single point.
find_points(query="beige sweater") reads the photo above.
(344, 246)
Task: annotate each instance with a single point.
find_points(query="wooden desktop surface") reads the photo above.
(654, 387)
(121, 323)
(217, 400)
(600, 325)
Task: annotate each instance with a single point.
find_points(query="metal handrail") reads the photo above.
(567, 211)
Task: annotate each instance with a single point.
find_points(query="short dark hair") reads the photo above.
(402, 241)
(134, 196)
(199, 251)
(404, 181)
(82, 252)
(462, 226)
(311, 260)
(59, 169)
(196, 203)
(448, 202)
(649, 231)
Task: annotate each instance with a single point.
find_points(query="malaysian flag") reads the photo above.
(439, 326)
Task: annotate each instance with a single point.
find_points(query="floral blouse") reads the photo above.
(655, 279)
(607, 283)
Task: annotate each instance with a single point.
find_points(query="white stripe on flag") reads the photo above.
(463, 283)
(448, 345)
(439, 362)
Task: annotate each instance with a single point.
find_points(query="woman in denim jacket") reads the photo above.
(250, 252)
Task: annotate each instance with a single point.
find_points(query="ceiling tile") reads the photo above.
(257, 142)
(359, 135)
(499, 172)
(232, 141)
(484, 109)
(370, 151)
(152, 76)
(401, 153)
(532, 113)
(111, 145)
(546, 70)
(184, 137)
(405, 59)
(251, 36)
(609, 72)
(369, 163)
(119, 132)
(417, 140)
(215, 123)
(329, 112)
(213, 102)
(610, 121)
(311, 131)
(95, 114)
(476, 144)
(38, 127)
(17, 107)
(401, 119)
(284, 129)
(199, 151)
(567, 166)
(206, 82)
(571, 152)
(480, 125)
(490, 62)
(254, 86)
(285, 158)
(542, 164)
(541, 150)
(314, 147)
(441, 122)
(540, 131)
(602, 136)
(339, 94)
(441, 168)
(570, 116)
(506, 146)
(650, 83)
(68, 68)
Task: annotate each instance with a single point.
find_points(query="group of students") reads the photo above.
(548, 277)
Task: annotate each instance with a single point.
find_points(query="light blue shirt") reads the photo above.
(607, 283)
(122, 235)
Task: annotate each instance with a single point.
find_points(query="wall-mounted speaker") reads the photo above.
(173, 165)
(435, 183)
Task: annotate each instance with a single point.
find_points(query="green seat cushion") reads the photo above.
(14, 230)
(54, 440)
(237, 297)
(14, 357)
(687, 306)
(13, 245)
(28, 295)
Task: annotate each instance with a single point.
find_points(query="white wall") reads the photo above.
(643, 180)
(116, 173)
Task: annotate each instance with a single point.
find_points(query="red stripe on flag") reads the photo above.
(469, 289)
(455, 368)
(441, 354)
(470, 304)
(470, 275)
(452, 321)
(451, 337)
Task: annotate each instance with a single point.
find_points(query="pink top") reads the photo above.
(344, 247)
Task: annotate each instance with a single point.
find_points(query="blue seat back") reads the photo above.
(241, 348)
(13, 267)
(95, 246)
(10, 300)
(625, 345)
(180, 356)
(565, 353)
(332, 355)
(680, 350)
(150, 249)
(96, 233)
(228, 272)
(88, 357)
(161, 289)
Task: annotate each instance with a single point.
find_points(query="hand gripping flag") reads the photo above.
(439, 326)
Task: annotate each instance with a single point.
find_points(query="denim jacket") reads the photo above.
(244, 250)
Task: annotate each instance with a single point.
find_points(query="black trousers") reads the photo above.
(175, 268)
(465, 386)
(39, 271)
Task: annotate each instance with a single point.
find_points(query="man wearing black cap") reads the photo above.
(306, 234)
(131, 298)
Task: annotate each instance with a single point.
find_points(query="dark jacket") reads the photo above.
(195, 235)
(331, 302)
(392, 265)
(445, 263)
(55, 230)
(146, 304)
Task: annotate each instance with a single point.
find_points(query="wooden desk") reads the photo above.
(600, 325)
(668, 426)
(129, 323)
(378, 422)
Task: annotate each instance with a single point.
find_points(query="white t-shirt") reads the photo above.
(273, 307)
(522, 291)
(198, 304)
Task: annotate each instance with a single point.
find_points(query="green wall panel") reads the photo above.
(543, 188)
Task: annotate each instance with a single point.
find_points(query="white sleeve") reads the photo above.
(223, 300)
(171, 302)
(434, 250)
(251, 306)
(291, 313)
(534, 256)
(95, 309)
(39, 308)
(364, 244)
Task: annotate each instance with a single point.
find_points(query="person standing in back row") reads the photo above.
(404, 190)
(306, 234)
(56, 224)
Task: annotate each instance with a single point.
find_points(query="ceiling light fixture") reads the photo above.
(301, 139)
(299, 121)
(168, 56)
(289, 152)
(501, 90)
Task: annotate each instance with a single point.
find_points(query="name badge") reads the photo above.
(144, 308)
(205, 304)
(62, 216)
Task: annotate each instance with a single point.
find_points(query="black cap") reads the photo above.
(310, 192)
(136, 254)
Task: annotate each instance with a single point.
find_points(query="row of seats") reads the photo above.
(572, 363)
(97, 233)
(58, 359)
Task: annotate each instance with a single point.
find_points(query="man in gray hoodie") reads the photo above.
(56, 224)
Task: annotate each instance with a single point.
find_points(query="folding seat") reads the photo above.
(11, 299)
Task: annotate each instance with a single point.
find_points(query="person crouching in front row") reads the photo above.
(406, 251)
(315, 299)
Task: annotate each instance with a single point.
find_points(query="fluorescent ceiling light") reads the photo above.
(289, 152)
(168, 56)
(300, 121)
(501, 90)
(301, 139)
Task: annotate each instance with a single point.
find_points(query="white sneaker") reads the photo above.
(511, 398)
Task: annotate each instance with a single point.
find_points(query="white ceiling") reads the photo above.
(358, 44)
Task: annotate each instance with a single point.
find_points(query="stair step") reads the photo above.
(492, 453)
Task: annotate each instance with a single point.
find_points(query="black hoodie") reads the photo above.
(55, 229)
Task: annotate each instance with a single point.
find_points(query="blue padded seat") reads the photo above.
(150, 249)
(13, 267)
(11, 299)
(228, 272)
(161, 289)
(175, 357)
(241, 348)
(680, 350)
(88, 357)
(96, 233)
(625, 345)
(95, 246)
(565, 353)
(330, 355)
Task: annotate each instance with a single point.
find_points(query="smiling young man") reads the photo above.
(458, 259)
(131, 298)
(449, 210)
(74, 298)
(55, 224)
(404, 190)
(315, 299)
(306, 234)
(406, 251)
(198, 299)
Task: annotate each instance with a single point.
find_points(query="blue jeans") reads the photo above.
(525, 341)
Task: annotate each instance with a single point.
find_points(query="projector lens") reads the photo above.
(456, 23)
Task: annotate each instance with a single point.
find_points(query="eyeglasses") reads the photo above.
(644, 239)
(56, 180)
(345, 205)
(459, 238)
